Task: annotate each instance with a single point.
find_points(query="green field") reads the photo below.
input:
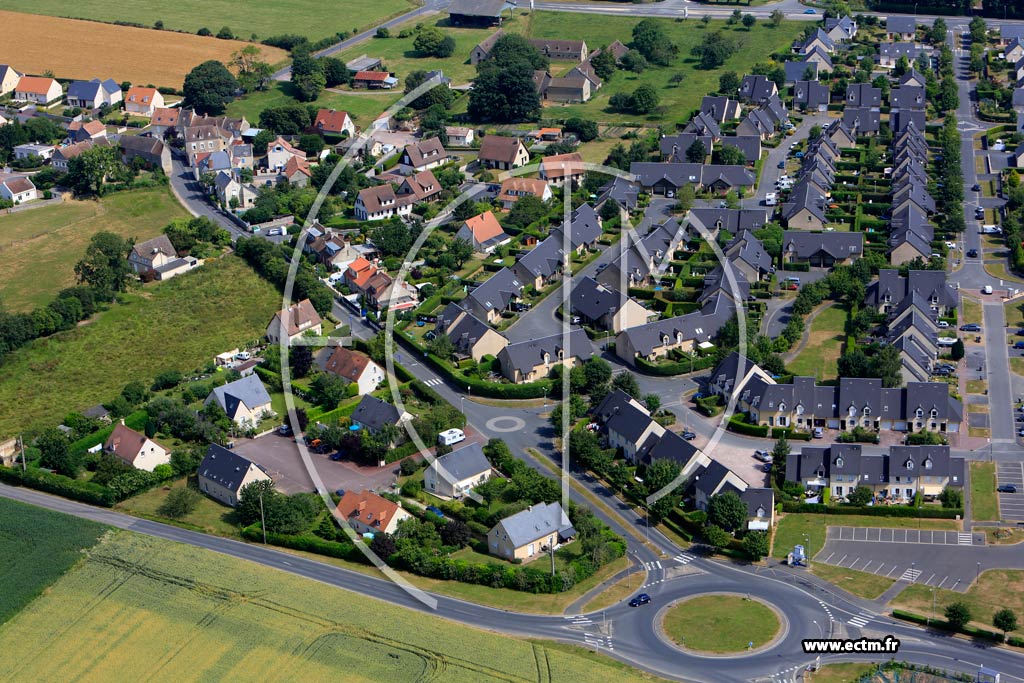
(146, 609)
(362, 106)
(179, 324)
(820, 356)
(721, 623)
(39, 247)
(984, 503)
(260, 17)
(36, 547)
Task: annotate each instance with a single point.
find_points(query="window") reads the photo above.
(839, 461)
(928, 463)
(919, 413)
(909, 464)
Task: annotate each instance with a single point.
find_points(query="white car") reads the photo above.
(951, 245)
(771, 199)
(987, 289)
(942, 324)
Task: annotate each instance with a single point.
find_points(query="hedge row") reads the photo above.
(59, 485)
(790, 434)
(738, 425)
(136, 421)
(969, 630)
(307, 543)
(873, 511)
(669, 368)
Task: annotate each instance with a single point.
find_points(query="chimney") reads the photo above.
(529, 508)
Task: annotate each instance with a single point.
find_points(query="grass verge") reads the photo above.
(820, 355)
(861, 584)
(720, 623)
(809, 529)
(984, 502)
(994, 590)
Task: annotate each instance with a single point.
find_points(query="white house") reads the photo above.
(245, 401)
(18, 189)
(224, 473)
(136, 449)
(279, 152)
(452, 475)
(143, 101)
(38, 89)
(355, 368)
(293, 322)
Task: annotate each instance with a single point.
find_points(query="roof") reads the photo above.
(811, 93)
(499, 148)
(425, 152)
(374, 413)
(796, 71)
(901, 24)
(296, 165)
(583, 227)
(669, 446)
(19, 184)
(125, 443)
(484, 227)
(757, 88)
(139, 144)
(513, 188)
(141, 95)
(224, 467)
(839, 245)
(377, 197)
(477, 8)
(497, 291)
(36, 85)
(297, 317)
(593, 300)
(368, 508)
(560, 165)
(535, 522)
(165, 116)
(487, 43)
(750, 145)
(248, 391)
(525, 356)
(462, 328)
(331, 120)
(160, 244)
(347, 364)
(90, 128)
(734, 221)
(699, 326)
(90, 90)
(380, 76)
(463, 463)
(731, 370)
(758, 500)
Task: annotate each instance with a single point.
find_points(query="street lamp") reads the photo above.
(977, 573)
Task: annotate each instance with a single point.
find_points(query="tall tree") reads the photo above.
(88, 170)
(727, 511)
(105, 266)
(651, 40)
(308, 77)
(209, 87)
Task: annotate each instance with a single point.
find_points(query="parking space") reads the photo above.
(1011, 505)
(887, 535)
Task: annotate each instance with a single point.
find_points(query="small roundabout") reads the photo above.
(722, 624)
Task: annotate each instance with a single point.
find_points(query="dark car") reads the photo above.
(1019, 345)
(970, 327)
(1006, 488)
(339, 492)
(641, 599)
(979, 213)
(337, 456)
(689, 436)
(976, 188)
(942, 372)
(782, 164)
(767, 467)
(699, 395)
(435, 511)
(972, 253)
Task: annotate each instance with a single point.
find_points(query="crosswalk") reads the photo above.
(433, 382)
(965, 539)
(861, 620)
(579, 620)
(683, 558)
(651, 566)
(593, 639)
(910, 575)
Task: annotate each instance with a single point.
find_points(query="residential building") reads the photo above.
(9, 78)
(368, 513)
(483, 232)
(569, 50)
(79, 131)
(135, 449)
(374, 80)
(734, 221)
(454, 474)
(514, 188)
(478, 12)
(889, 53)
(18, 189)
(223, 474)
(245, 401)
(712, 480)
(887, 293)
(667, 178)
(732, 374)
(757, 89)
(495, 296)
(143, 101)
(149, 255)
(163, 121)
(575, 87)
(297, 172)
(482, 50)
(93, 94)
(721, 108)
(422, 156)
(471, 337)
(204, 140)
(542, 265)
(841, 30)
(382, 291)
(822, 249)
(334, 122)
(374, 414)
(901, 28)
(683, 333)
(290, 323)
(604, 309)
(746, 254)
(381, 202)
(627, 424)
(533, 532)
(534, 360)
(459, 136)
(37, 89)
(280, 152)
(504, 153)
(152, 152)
(355, 368)
(559, 169)
(811, 96)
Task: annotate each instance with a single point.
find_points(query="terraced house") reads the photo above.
(534, 359)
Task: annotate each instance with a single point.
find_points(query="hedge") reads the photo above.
(969, 630)
(668, 368)
(790, 434)
(873, 511)
(59, 485)
(308, 543)
(738, 425)
(136, 421)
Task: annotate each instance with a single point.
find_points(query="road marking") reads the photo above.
(649, 566)
(434, 382)
(854, 563)
(910, 575)
(683, 558)
(840, 562)
(965, 539)
(860, 621)
(930, 578)
(829, 557)
(944, 579)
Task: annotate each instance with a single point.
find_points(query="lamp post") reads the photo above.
(263, 520)
(977, 573)
(933, 606)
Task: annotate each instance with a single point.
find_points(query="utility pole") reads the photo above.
(551, 551)
(21, 447)
(263, 520)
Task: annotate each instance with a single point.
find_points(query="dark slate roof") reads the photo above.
(649, 173)
(750, 145)
(863, 95)
(900, 120)
(907, 97)
(544, 260)
(537, 521)
(731, 370)
(617, 402)
(584, 227)
(90, 90)
(374, 413)
(708, 478)
(224, 467)
(670, 446)
(912, 76)
(466, 331)
(717, 282)
(731, 220)
(901, 24)
(897, 50)
(248, 390)
(593, 300)
(497, 291)
(757, 88)
(462, 463)
(720, 108)
(525, 356)
(700, 325)
(839, 245)
(762, 499)
(811, 93)
(747, 248)
(811, 461)
(674, 147)
(928, 283)
(703, 124)
(477, 8)
(862, 119)
(822, 36)
(796, 71)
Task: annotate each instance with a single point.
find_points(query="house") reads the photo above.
(887, 293)
(535, 531)
(889, 53)
(863, 95)
(605, 309)
(97, 412)
(471, 337)
(333, 122)
(9, 78)
(204, 140)
(640, 262)
(504, 153)
(459, 136)
(297, 172)
(840, 135)
(223, 474)
(583, 70)
(674, 148)
(712, 480)
(153, 153)
(684, 333)
(384, 292)
(913, 77)
(901, 28)
(802, 70)
(245, 401)
(746, 254)
(733, 373)
(212, 163)
(358, 274)
(79, 131)
(149, 255)
(570, 50)
(482, 50)
(226, 188)
(355, 368)
(819, 40)
(760, 504)
(1007, 32)
(1014, 50)
(841, 30)
(93, 94)
(533, 360)
(422, 155)
(63, 155)
(667, 178)
(721, 109)
(542, 265)
(756, 123)
(818, 60)
(419, 187)
(368, 513)
(581, 232)
(280, 152)
(703, 125)
(37, 89)
(822, 249)
(749, 145)
(490, 299)
(483, 232)
(558, 169)
(806, 207)
(242, 156)
(290, 323)
(374, 414)
(626, 423)
(135, 449)
(478, 12)
(811, 96)
(163, 121)
(380, 202)
(34, 149)
(514, 188)
(374, 80)
(757, 89)
(674, 448)
(143, 101)
(452, 475)
(734, 221)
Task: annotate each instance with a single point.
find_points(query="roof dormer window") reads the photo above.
(839, 461)
(867, 410)
(919, 412)
(909, 464)
(928, 463)
(935, 413)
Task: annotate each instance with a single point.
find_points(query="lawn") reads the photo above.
(1014, 312)
(36, 547)
(824, 345)
(994, 590)
(861, 584)
(39, 248)
(976, 386)
(676, 100)
(142, 606)
(143, 56)
(839, 673)
(615, 593)
(209, 515)
(364, 106)
(720, 623)
(1017, 365)
(970, 311)
(984, 503)
(179, 324)
(261, 17)
(808, 529)
(998, 269)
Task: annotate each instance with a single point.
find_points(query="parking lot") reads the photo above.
(1011, 505)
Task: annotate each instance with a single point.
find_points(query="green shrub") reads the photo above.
(738, 424)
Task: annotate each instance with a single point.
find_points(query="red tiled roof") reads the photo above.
(331, 120)
(371, 76)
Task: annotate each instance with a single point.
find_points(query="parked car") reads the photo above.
(1006, 488)
(818, 432)
(284, 430)
(809, 11)
(641, 599)
(763, 455)
(942, 372)
(1019, 345)
(979, 212)
(689, 436)
(337, 456)
(435, 510)
(972, 253)
(767, 467)
(987, 289)
(970, 327)
(451, 436)
(975, 187)
(942, 324)
(782, 164)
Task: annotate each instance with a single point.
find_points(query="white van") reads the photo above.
(243, 355)
(451, 436)
(771, 199)
(990, 230)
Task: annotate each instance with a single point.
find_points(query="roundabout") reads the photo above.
(506, 424)
(722, 624)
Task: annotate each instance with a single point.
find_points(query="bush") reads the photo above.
(58, 485)
(873, 511)
(740, 426)
(306, 542)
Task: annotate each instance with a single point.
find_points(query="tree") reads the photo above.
(439, 95)
(749, 21)
(328, 390)
(584, 129)
(527, 210)
(626, 382)
(645, 99)
(713, 50)
(951, 498)
(634, 62)
(432, 42)
(456, 533)
(957, 615)
(696, 152)
(726, 510)
(957, 351)
(248, 508)
(383, 545)
(253, 72)
(55, 453)
(860, 496)
(596, 374)
(651, 40)
(937, 33)
(776, 18)
(512, 49)
(291, 119)
(728, 83)
(730, 155)
(1005, 620)
(301, 359)
(105, 268)
(604, 64)
(308, 77)
(209, 87)
(978, 30)
(88, 170)
(734, 18)
(653, 403)
(179, 502)
(504, 95)
(392, 237)
(716, 536)
(755, 543)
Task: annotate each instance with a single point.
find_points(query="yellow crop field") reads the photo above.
(71, 48)
(144, 609)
